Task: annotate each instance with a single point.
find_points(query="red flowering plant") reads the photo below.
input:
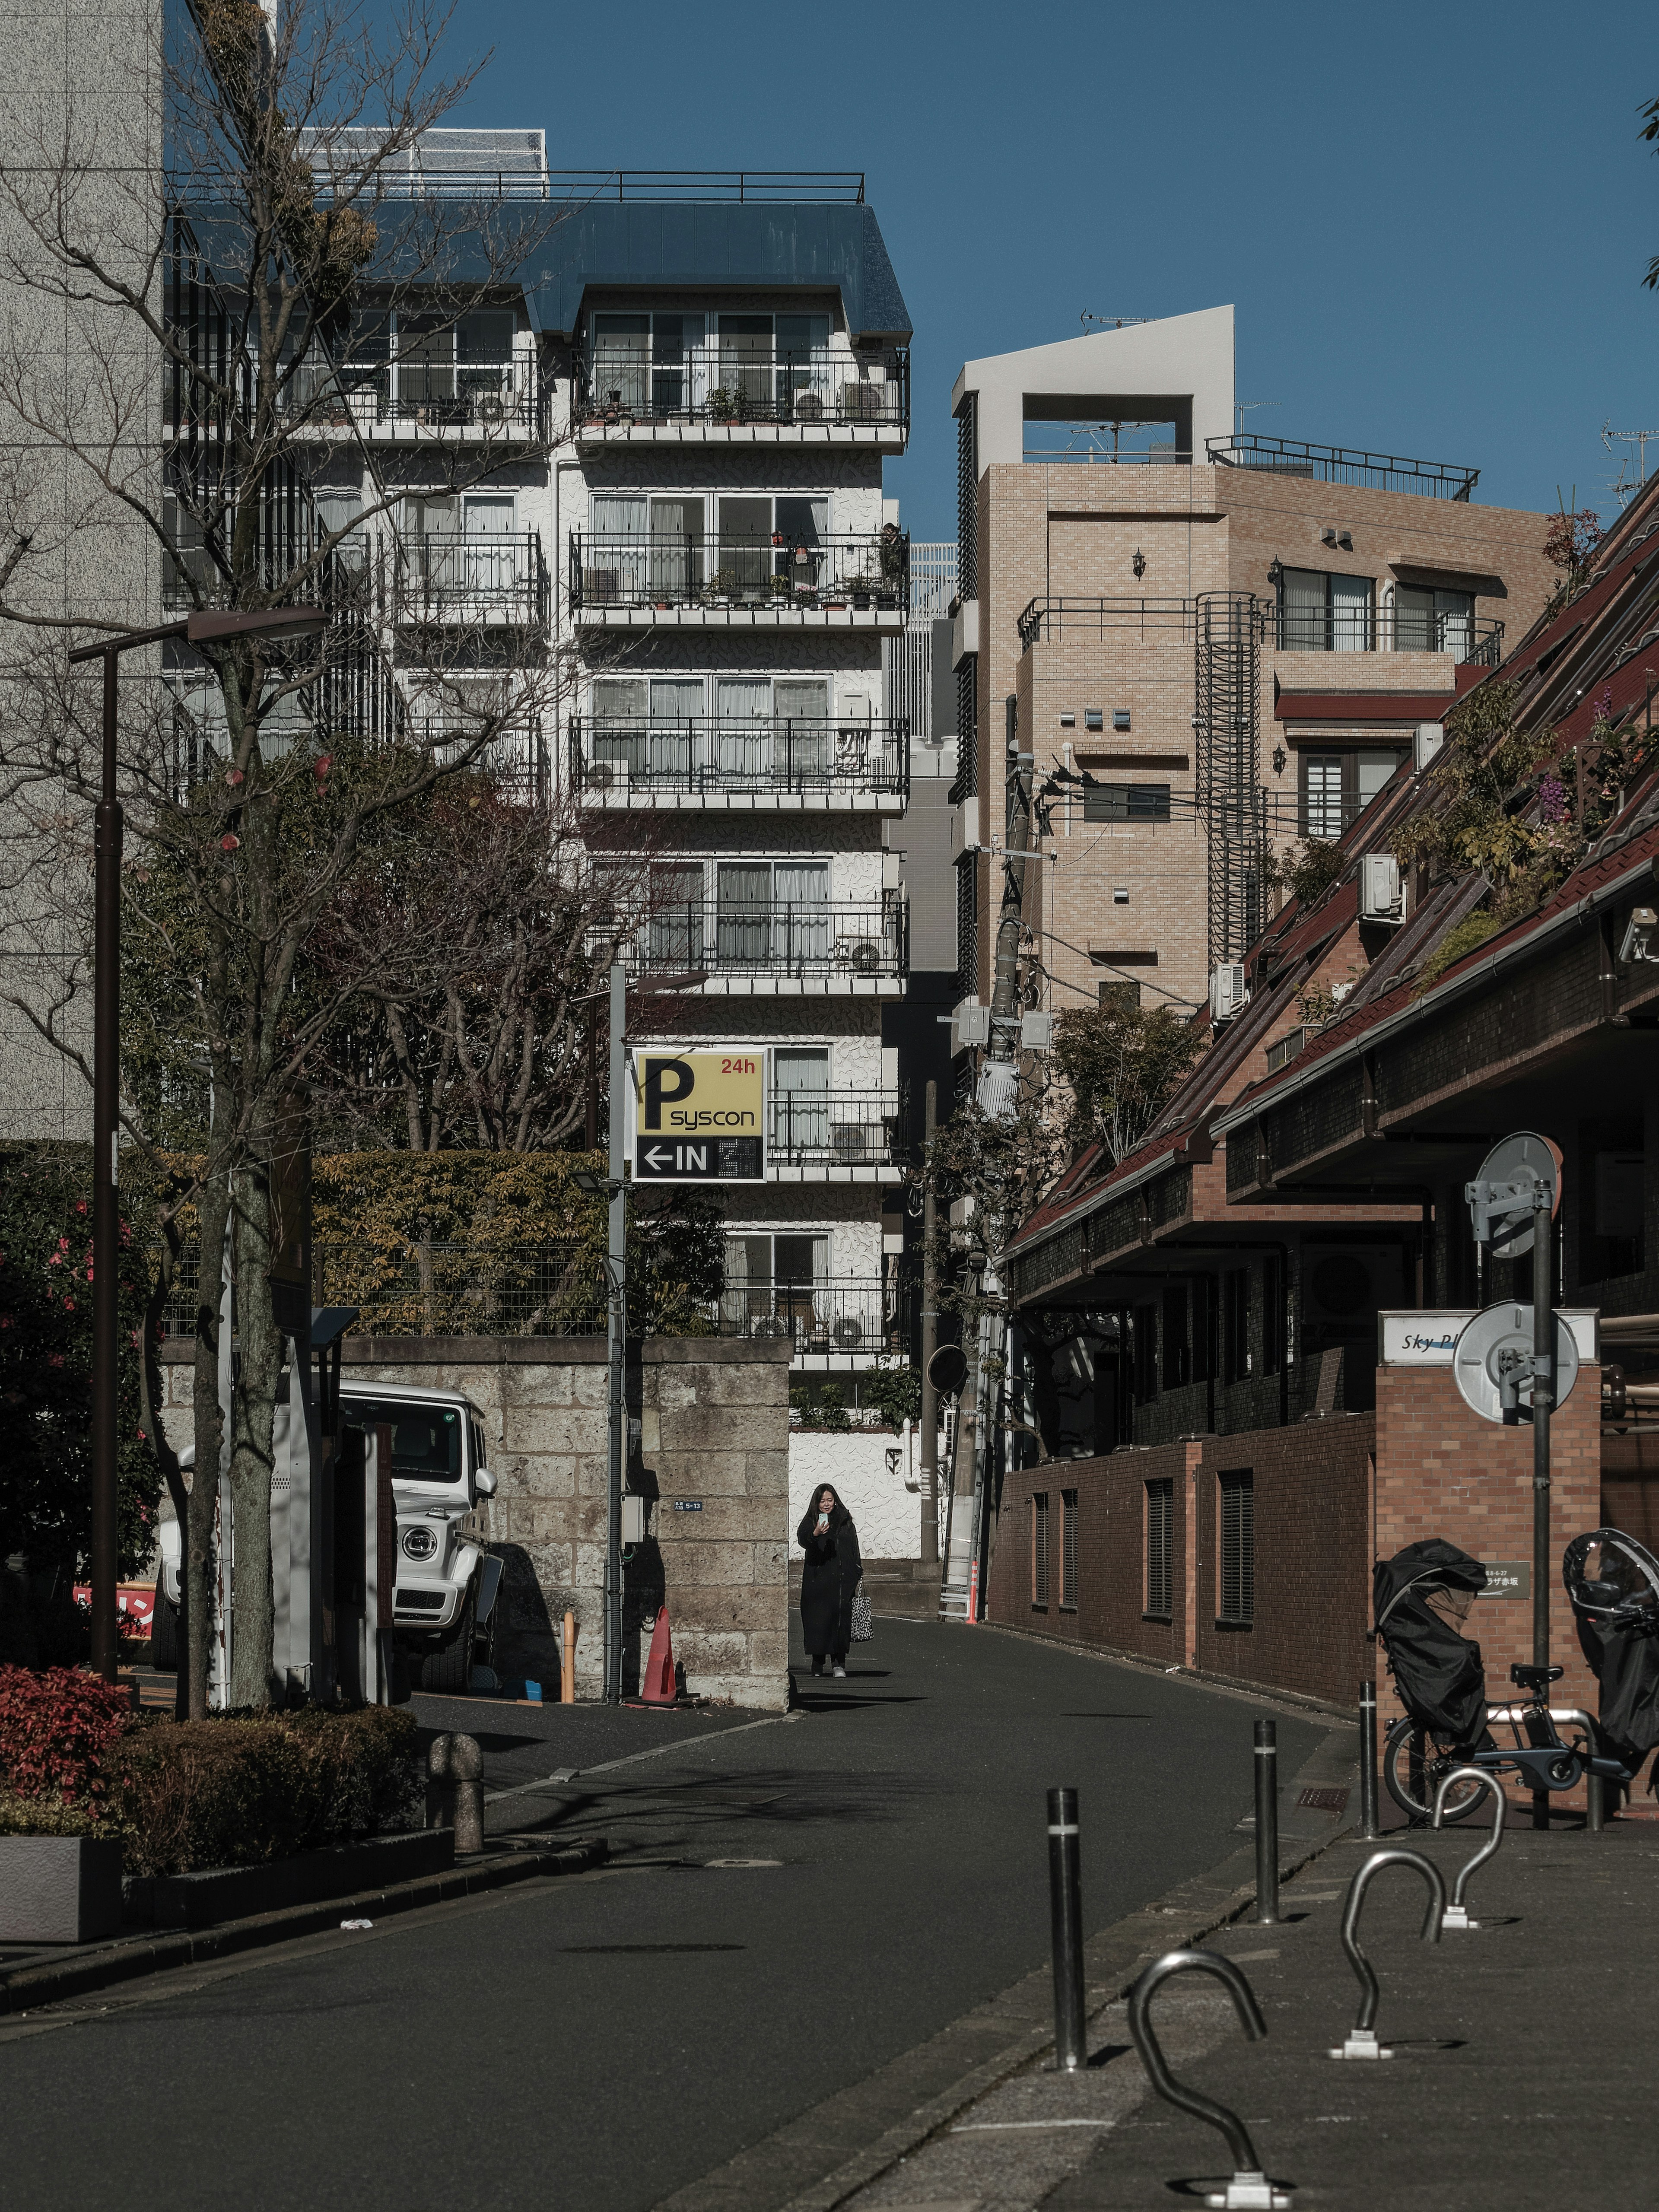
(46, 1281)
(58, 1731)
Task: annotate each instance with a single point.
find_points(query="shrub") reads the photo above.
(894, 1390)
(55, 1731)
(240, 1791)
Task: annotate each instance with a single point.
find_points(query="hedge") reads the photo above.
(233, 1790)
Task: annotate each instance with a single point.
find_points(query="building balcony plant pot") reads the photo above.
(59, 1889)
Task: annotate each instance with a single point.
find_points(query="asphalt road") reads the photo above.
(598, 2041)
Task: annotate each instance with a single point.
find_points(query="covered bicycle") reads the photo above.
(1613, 1582)
(1422, 1596)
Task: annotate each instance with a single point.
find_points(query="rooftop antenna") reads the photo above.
(1110, 322)
(1639, 440)
(1243, 407)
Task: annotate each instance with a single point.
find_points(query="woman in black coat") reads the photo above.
(828, 1580)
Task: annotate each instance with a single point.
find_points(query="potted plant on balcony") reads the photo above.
(725, 403)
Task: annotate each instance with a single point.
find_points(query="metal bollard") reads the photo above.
(1368, 1830)
(1267, 1820)
(1066, 1929)
(454, 1767)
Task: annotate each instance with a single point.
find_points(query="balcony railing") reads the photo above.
(855, 941)
(733, 382)
(1343, 464)
(470, 579)
(714, 759)
(842, 1315)
(1467, 638)
(834, 1129)
(868, 569)
(494, 400)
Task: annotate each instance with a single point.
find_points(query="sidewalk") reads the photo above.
(1526, 2052)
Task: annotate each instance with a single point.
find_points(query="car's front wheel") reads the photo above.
(448, 1670)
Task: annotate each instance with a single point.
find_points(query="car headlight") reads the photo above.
(419, 1543)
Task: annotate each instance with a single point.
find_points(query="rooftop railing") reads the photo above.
(712, 759)
(733, 382)
(1054, 615)
(866, 569)
(1343, 464)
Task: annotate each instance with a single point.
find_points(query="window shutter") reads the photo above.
(1160, 1543)
(1040, 1548)
(1238, 1547)
(1068, 1551)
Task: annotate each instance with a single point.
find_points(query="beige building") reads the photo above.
(1220, 643)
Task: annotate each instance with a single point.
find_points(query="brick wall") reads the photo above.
(1312, 1563)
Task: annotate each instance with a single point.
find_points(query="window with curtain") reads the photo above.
(801, 704)
(675, 341)
(676, 931)
(677, 563)
(802, 344)
(744, 739)
(677, 705)
(745, 355)
(801, 888)
(1319, 612)
(800, 1098)
(619, 721)
(337, 511)
(745, 546)
(622, 354)
(743, 914)
(614, 563)
(1432, 621)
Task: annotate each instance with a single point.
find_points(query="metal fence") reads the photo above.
(704, 758)
(466, 1290)
(836, 1128)
(736, 381)
(1344, 464)
(847, 937)
(740, 568)
(845, 1314)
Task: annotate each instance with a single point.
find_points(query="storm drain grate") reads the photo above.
(1324, 1800)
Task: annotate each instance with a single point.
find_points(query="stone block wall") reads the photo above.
(709, 1426)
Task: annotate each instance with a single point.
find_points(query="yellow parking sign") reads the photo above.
(700, 1116)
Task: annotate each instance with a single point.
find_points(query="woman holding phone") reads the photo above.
(828, 1580)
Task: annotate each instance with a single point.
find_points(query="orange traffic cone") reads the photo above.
(657, 1688)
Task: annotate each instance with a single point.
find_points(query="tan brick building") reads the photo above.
(1209, 628)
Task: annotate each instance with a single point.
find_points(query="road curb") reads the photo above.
(926, 2088)
(25, 1988)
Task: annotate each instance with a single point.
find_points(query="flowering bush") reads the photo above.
(56, 1730)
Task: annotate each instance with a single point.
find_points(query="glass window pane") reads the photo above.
(1324, 795)
(1414, 619)
(1350, 614)
(743, 742)
(1301, 623)
(1374, 770)
(745, 545)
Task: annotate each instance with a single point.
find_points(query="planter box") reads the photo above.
(59, 1889)
(198, 1901)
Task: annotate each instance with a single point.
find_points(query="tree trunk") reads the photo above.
(196, 1572)
(252, 1410)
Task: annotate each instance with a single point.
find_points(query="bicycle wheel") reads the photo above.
(1414, 1763)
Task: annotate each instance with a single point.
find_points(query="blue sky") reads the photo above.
(1433, 222)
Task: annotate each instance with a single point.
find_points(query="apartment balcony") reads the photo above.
(729, 394)
(392, 403)
(834, 1136)
(777, 765)
(842, 1320)
(858, 581)
(1470, 640)
(843, 949)
(490, 582)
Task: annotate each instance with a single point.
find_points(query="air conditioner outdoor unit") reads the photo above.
(1380, 895)
(1228, 995)
(1427, 742)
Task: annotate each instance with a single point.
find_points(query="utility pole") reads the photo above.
(929, 1343)
(616, 1279)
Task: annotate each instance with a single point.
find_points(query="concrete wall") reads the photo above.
(708, 1423)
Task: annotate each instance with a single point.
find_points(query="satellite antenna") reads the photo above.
(1494, 1363)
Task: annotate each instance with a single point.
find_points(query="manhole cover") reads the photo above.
(1324, 1800)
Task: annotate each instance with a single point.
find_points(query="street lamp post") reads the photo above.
(196, 629)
